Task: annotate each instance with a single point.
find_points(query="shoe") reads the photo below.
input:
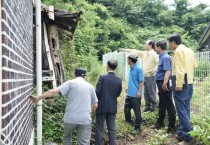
(152, 110)
(146, 110)
(130, 122)
(158, 126)
(179, 138)
(170, 130)
(137, 129)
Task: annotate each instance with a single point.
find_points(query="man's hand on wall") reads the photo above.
(35, 99)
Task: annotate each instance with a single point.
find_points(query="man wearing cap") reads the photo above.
(81, 97)
(108, 88)
(150, 64)
(134, 92)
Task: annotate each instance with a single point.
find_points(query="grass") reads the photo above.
(147, 136)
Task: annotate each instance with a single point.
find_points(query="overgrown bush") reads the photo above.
(53, 120)
(123, 128)
(201, 129)
(149, 118)
(159, 138)
(93, 66)
(53, 116)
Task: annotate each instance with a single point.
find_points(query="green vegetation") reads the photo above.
(203, 69)
(108, 25)
(201, 129)
(159, 139)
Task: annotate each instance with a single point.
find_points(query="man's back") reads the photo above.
(80, 95)
(108, 88)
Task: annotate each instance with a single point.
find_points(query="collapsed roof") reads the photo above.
(205, 39)
(63, 19)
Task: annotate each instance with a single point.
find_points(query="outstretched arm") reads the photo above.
(49, 93)
(139, 52)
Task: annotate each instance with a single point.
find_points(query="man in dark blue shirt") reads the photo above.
(165, 96)
(134, 91)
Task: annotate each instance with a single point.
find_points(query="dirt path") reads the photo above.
(146, 136)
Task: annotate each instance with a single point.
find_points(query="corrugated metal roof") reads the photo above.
(203, 40)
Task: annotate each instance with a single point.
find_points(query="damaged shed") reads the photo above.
(52, 21)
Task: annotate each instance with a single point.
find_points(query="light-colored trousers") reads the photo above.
(83, 133)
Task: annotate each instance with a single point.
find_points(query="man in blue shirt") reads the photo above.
(165, 96)
(134, 92)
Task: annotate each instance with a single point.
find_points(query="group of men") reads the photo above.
(156, 72)
(82, 97)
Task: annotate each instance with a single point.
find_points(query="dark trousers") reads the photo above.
(165, 103)
(182, 102)
(133, 103)
(110, 120)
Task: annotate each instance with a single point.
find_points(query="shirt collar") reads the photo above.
(161, 55)
(111, 71)
(133, 66)
(180, 46)
(80, 78)
(150, 51)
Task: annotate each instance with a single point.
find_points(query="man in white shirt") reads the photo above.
(81, 97)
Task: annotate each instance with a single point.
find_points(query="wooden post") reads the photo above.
(56, 54)
(49, 57)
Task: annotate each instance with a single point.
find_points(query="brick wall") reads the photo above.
(17, 71)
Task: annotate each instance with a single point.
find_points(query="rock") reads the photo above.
(130, 138)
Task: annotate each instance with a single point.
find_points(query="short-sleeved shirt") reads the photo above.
(150, 63)
(80, 96)
(163, 65)
(135, 77)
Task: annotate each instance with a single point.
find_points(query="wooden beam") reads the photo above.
(49, 54)
(56, 54)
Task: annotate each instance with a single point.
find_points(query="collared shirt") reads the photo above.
(183, 61)
(80, 95)
(163, 65)
(135, 77)
(150, 62)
